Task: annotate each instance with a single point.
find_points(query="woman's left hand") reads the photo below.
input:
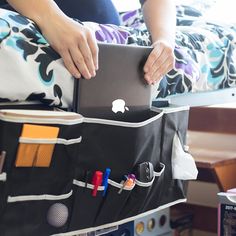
(160, 61)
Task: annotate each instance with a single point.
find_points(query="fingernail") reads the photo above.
(89, 76)
(77, 75)
(147, 77)
(149, 81)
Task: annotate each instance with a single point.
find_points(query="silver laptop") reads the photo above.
(119, 91)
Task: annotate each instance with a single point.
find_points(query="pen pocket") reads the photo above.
(44, 162)
(36, 145)
(45, 153)
(139, 195)
(154, 197)
(85, 206)
(112, 203)
(3, 178)
(43, 214)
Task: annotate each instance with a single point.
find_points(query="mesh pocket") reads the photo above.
(36, 215)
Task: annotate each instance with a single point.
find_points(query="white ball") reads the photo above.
(57, 214)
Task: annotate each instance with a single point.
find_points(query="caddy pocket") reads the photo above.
(113, 201)
(175, 120)
(85, 206)
(57, 178)
(120, 146)
(135, 204)
(39, 167)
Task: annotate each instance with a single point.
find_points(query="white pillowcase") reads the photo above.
(129, 5)
(223, 11)
(201, 5)
(126, 5)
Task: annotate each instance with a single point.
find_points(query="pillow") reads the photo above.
(223, 11)
(200, 5)
(126, 5)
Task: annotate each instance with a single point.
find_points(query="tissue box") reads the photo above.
(227, 213)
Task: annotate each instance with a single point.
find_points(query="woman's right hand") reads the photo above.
(75, 43)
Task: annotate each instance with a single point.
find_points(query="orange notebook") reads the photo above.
(36, 154)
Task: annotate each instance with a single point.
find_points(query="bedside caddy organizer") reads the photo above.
(64, 174)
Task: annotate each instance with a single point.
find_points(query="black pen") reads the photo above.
(2, 160)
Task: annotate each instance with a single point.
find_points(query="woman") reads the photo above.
(77, 44)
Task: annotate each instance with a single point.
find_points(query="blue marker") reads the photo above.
(105, 180)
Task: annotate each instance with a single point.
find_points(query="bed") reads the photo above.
(31, 71)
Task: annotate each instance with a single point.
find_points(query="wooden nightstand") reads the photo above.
(212, 143)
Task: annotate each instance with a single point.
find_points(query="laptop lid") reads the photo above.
(119, 90)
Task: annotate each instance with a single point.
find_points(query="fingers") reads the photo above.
(68, 61)
(79, 62)
(87, 59)
(75, 43)
(80, 55)
(154, 55)
(159, 62)
(159, 73)
(78, 59)
(94, 49)
(161, 66)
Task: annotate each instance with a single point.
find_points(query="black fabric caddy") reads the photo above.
(83, 146)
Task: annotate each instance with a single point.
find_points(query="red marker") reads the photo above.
(97, 181)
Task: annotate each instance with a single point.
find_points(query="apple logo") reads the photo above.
(118, 105)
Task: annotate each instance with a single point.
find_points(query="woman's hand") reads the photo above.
(75, 43)
(160, 61)
(160, 18)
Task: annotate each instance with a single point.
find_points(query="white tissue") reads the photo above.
(183, 164)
